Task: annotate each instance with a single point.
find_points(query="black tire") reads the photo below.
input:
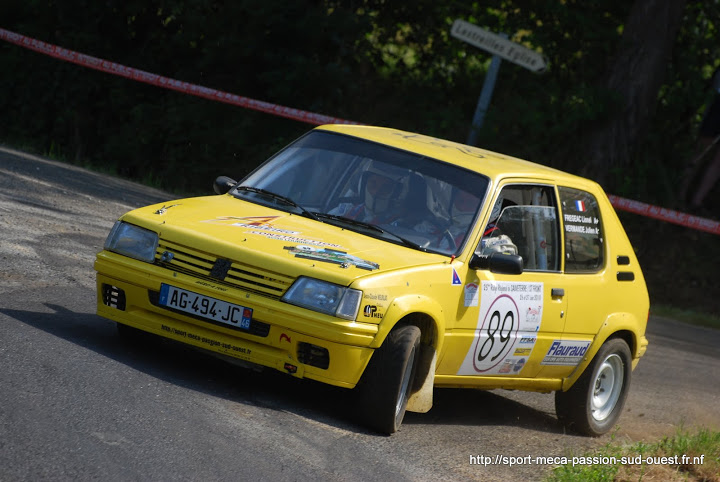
(388, 380)
(594, 403)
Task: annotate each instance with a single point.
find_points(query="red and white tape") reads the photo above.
(167, 83)
(629, 205)
(668, 215)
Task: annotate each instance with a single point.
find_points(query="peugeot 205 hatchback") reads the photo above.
(392, 263)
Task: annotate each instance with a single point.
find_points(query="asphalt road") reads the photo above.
(76, 403)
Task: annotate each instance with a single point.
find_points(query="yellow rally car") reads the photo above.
(391, 263)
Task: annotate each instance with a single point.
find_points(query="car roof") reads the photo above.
(489, 163)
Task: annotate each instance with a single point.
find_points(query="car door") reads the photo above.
(507, 323)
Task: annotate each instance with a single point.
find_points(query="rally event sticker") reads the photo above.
(509, 318)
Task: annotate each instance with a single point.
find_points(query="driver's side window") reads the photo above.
(524, 222)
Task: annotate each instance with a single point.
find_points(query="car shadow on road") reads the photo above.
(200, 371)
(469, 407)
(193, 368)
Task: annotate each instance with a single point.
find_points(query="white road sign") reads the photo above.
(497, 45)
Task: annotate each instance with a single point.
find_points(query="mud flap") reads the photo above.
(421, 401)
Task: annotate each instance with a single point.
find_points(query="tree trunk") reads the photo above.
(634, 77)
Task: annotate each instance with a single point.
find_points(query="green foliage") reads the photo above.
(386, 63)
(588, 473)
(300, 55)
(702, 444)
(365, 60)
(687, 316)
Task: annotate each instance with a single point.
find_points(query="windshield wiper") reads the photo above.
(279, 197)
(370, 226)
(405, 241)
(351, 221)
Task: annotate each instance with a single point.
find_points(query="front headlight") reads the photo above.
(324, 297)
(132, 241)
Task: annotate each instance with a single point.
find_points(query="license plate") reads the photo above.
(205, 307)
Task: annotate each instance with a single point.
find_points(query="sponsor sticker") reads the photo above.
(371, 311)
(566, 352)
(471, 294)
(456, 278)
(262, 226)
(328, 255)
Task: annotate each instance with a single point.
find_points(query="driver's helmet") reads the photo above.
(463, 208)
(382, 185)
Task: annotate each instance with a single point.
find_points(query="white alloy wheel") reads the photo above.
(608, 386)
(594, 403)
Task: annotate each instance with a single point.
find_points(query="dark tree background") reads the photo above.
(620, 102)
(635, 76)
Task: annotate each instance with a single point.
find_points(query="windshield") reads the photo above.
(377, 190)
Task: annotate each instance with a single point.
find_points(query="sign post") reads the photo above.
(484, 99)
(501, 48)
(498, 45)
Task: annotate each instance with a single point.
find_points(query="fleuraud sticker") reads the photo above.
(566, 352)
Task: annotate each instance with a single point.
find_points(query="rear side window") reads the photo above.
(584, 244)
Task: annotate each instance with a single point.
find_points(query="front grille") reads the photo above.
(257, 328)
(113, 297)
(313, 355)
(234, 273)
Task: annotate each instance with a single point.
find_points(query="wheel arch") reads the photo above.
(427, 315)
(624, 326)
(629, 338)
(427, 325)
(417, 310)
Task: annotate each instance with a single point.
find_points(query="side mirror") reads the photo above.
(498, 263)
(223, 184)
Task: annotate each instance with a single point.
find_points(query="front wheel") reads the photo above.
(388, 380)
(594, 403)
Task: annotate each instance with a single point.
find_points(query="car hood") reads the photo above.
(295, 245)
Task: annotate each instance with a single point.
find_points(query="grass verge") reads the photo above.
(685, 456)
(687, 316)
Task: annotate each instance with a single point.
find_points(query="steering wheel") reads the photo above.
(448, 236)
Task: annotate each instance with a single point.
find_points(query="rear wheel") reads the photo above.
(388, 380)
(594, 403)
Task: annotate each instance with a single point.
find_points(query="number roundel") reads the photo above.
(497, 333)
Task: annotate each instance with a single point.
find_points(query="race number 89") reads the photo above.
(497, 334)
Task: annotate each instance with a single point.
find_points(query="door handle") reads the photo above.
(557, 292)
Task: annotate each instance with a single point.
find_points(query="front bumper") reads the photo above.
(290, 339)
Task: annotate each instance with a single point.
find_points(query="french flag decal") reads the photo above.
(580, 206)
